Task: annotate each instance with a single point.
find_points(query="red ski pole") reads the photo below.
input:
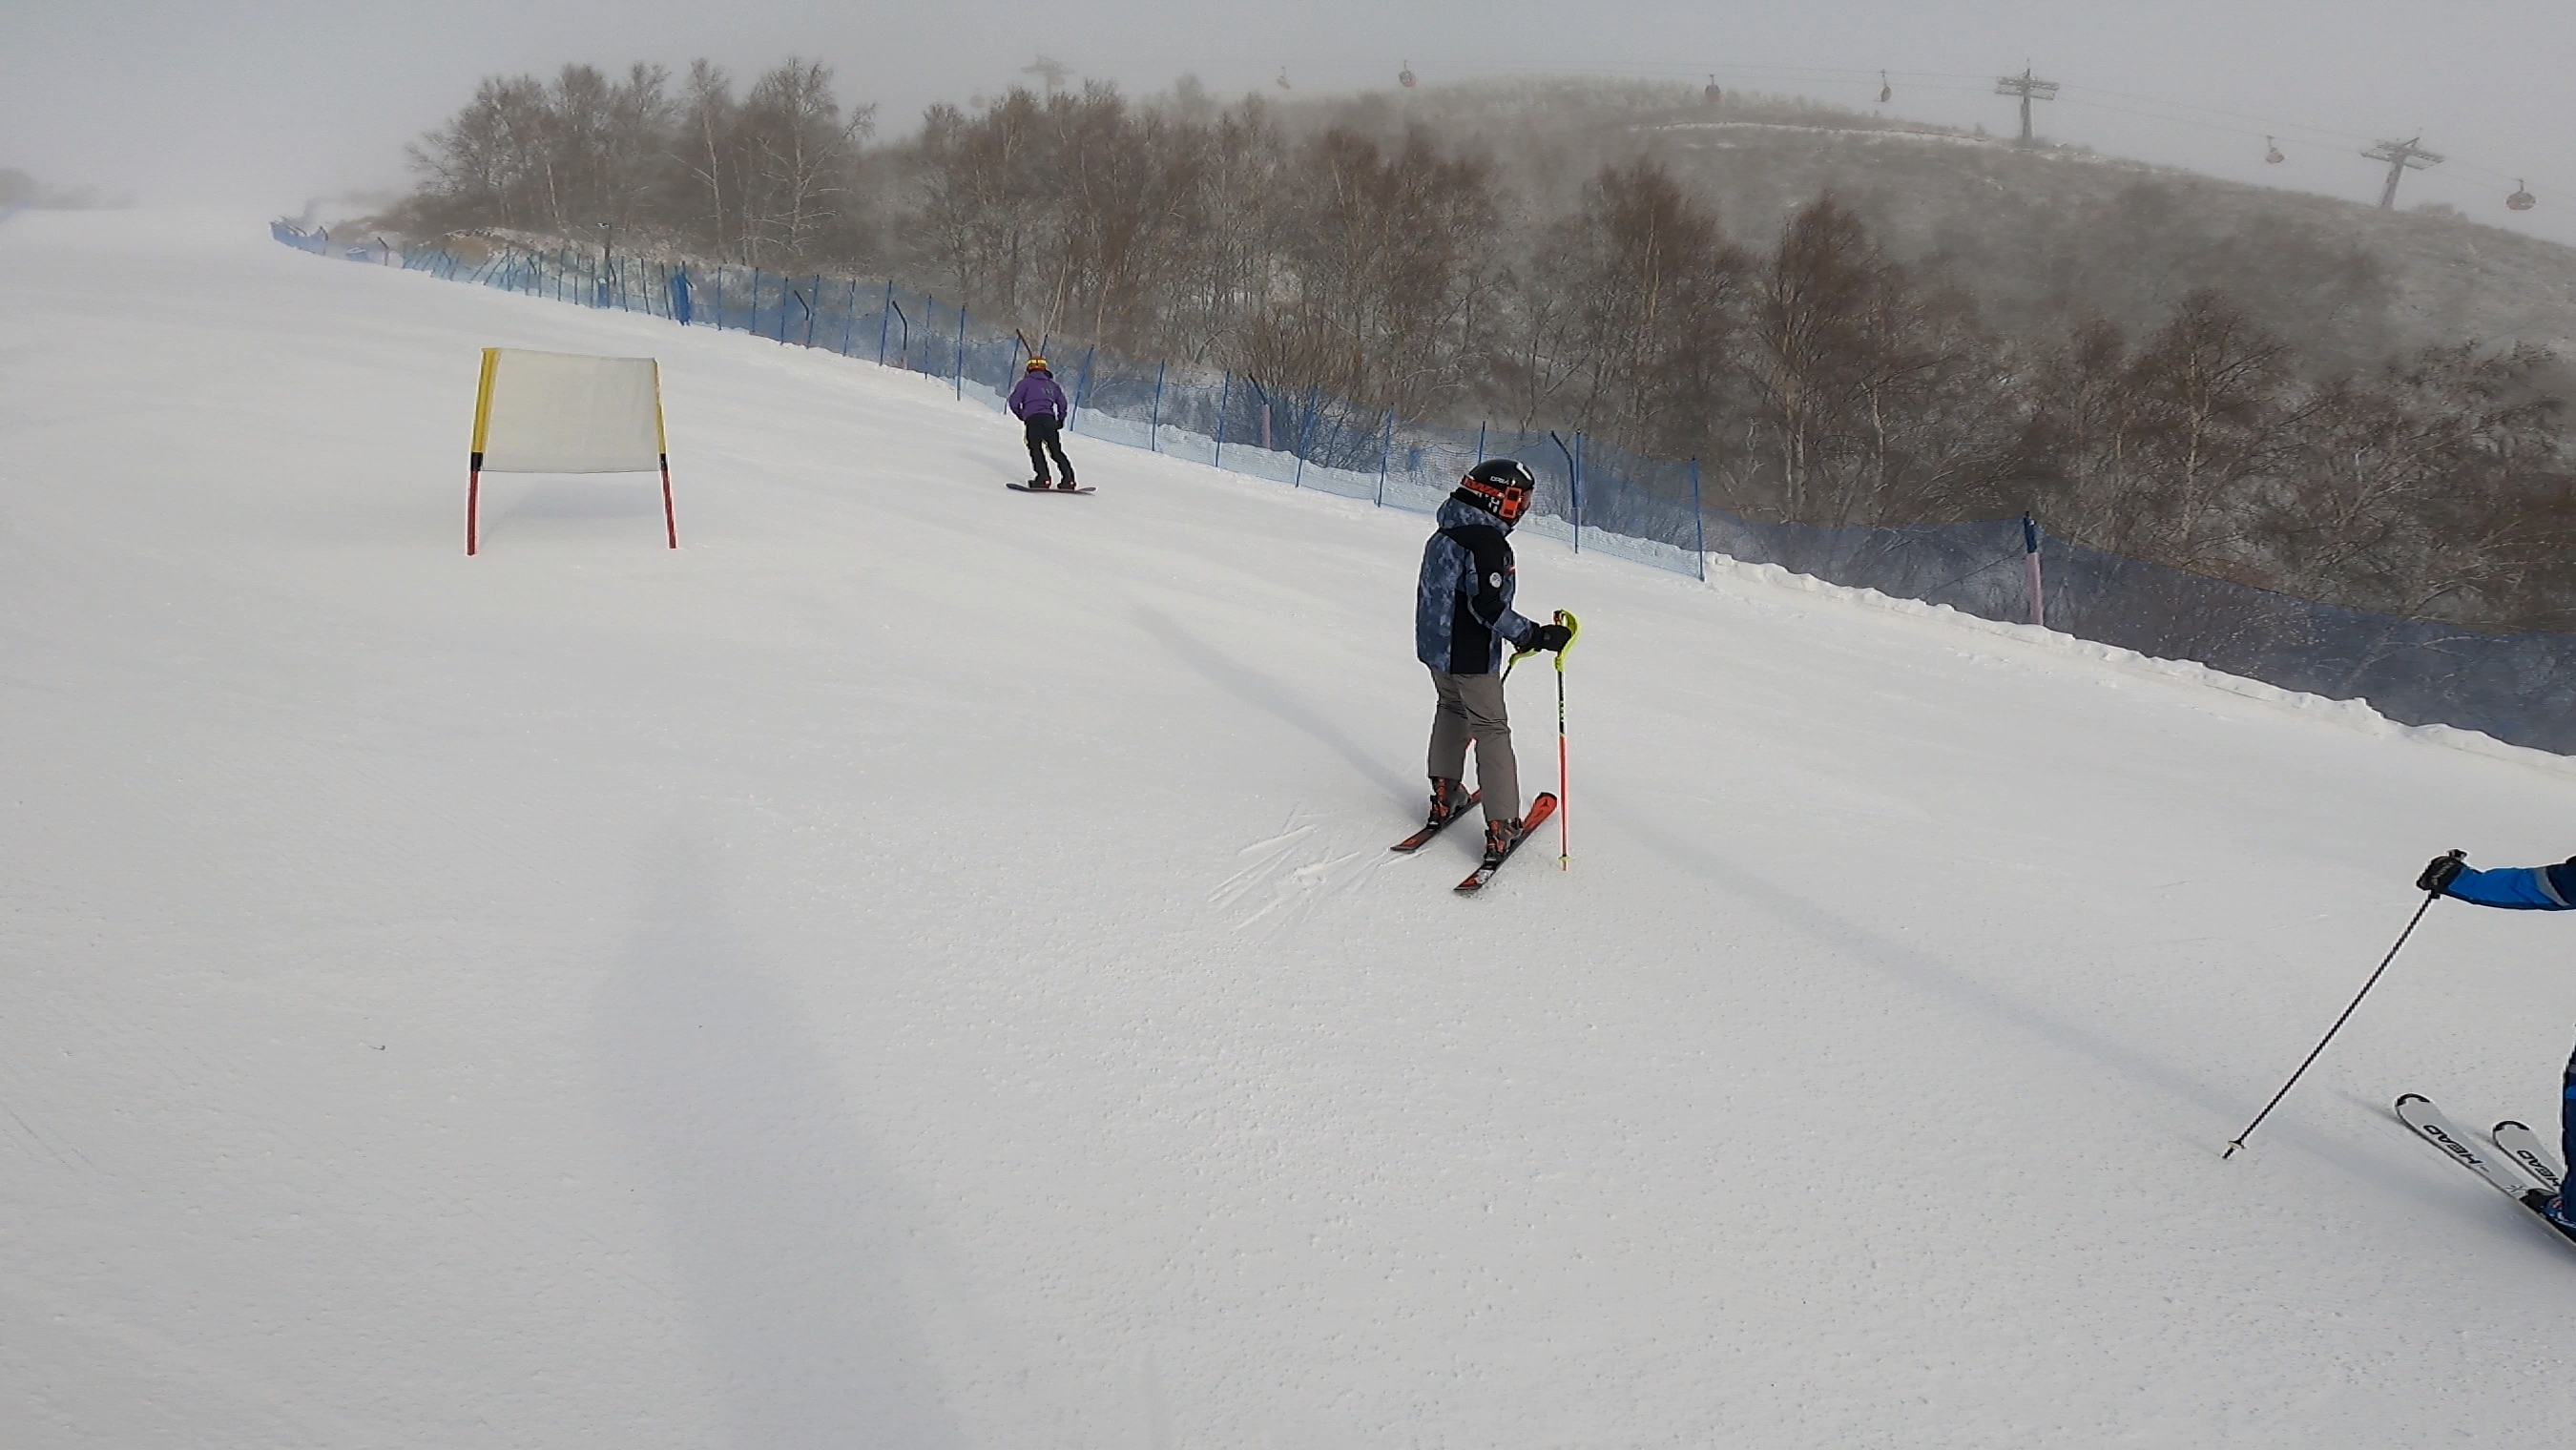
(1564, 851)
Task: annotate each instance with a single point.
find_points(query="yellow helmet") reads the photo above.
(1037, 365)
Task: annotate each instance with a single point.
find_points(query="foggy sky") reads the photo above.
(266, 104)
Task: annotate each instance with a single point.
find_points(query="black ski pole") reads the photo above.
(2239, 1140)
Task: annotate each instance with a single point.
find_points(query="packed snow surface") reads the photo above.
(919, 965)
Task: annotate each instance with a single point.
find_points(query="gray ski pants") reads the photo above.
(1471, 708)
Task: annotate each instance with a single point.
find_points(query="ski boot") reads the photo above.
(1500, 837)
(2554, 1209)
(1448, 798)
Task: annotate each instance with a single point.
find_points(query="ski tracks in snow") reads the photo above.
(1293, 870)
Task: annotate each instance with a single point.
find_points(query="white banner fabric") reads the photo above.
(559, 412)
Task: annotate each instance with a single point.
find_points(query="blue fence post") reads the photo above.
(1154, 429)
(1305, 432)
(2030, 550)
(1480, 442)
(885, 320)
(1081, 389)
(1223, 394)
(1383, 456)
(961, 352)
(719, 296)
(1577, 484)
(1699, 523)
(1573, 483)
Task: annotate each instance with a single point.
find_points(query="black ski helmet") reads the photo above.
(1499, 486)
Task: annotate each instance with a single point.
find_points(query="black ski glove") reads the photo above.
(2439, 871)
(1550, 637)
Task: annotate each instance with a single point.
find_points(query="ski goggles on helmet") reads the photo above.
(1506, 488)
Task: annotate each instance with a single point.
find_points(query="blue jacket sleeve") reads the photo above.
(2518, 888)
(1511, 625)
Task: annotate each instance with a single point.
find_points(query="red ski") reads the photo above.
(1422, 838)
(1540, 810)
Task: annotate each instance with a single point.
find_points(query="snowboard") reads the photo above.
(1025, 488)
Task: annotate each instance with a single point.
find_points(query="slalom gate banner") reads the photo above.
(559, 412)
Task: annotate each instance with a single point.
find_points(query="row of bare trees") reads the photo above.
(1817, 376)
(1825, 382)
(762, 179)
(2433, 485)
(1326, 261)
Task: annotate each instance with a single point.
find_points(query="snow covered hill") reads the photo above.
(919, 965)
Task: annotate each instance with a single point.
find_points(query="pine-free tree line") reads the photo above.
(1817, 376)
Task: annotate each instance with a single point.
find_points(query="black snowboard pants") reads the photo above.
(1045, 434)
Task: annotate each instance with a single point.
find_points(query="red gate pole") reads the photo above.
(670, 530)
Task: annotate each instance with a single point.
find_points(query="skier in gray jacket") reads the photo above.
(1462, 618)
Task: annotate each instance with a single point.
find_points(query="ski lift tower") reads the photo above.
(2029, 90)
(2401, 156)
(1052, 71)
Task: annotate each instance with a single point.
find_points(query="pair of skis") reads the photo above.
(2519, 1167)
(1540, 809)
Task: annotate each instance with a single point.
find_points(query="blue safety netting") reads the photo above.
(2519, 688)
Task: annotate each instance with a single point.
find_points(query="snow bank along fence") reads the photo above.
(1593, 496)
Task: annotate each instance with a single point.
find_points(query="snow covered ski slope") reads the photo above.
(913, 968)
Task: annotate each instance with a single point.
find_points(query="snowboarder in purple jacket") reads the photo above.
(1039, 405)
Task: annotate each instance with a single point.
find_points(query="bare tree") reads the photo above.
(486, 166)
(1658, 297)
(980, 195)
(1377, 289)
(2075, 450)
(2212, 392)
(707, 154)
(800, 151)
